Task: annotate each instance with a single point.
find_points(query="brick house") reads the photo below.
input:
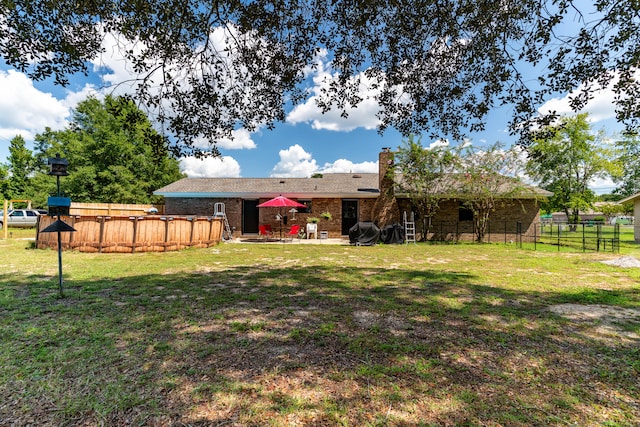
(349, 197)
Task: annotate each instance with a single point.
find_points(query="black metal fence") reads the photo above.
(587, 236)
(464, 231)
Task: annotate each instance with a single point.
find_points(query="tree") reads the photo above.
(4, 182)
(21, 166)
(422, 174)
(610, 209)
(488, 177)
(564, 159)
(207, 68)
(110, 153)
(629, 158)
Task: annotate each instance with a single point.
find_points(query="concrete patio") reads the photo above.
(255, 239)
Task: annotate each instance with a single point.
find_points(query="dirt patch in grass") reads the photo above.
(603, 321)
(624, 262)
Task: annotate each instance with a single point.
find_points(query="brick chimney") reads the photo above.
(385, 161)
(385, 209)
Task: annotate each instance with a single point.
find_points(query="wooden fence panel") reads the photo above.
(110, 209)
(215, 231)
(150, 235)
(128, 234)
(201, 236)
(86, 236)
(118, 235)
(176, 230)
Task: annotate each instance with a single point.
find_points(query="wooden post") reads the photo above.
(5, 214)
(505, 231)
(193, 224)
(166, 233)
(73, 223)
(101, 238)
(135, 232)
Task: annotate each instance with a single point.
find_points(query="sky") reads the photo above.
(307, 142)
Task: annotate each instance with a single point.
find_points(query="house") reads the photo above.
(348, 197)
(636, 214)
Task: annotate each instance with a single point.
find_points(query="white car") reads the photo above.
(24, 218)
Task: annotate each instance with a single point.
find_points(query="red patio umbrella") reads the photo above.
(281, 202)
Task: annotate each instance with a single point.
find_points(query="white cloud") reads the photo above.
(294, 163)
(74, 98)
(8, 133)
(439, 143)
(210, 167)
(117, 72)
(241, 141)
(362, 116)
(600, 107)
(112, 66)
(25, 110)
(602, 185)
(346, 166)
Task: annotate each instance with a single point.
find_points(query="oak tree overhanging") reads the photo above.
(437, 67)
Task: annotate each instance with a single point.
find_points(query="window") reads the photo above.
(464, 213)
(31, 213)
(17, 213)
(306, 209)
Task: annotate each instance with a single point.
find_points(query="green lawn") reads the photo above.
(19, 233)
(241, 334)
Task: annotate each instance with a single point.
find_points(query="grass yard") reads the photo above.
(584, 238)
(302, 335)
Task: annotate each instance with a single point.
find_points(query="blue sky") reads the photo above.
(306, 143)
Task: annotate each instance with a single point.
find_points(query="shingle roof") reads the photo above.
(330, 185)
(630, 198)
(451, 185)
(345, 185)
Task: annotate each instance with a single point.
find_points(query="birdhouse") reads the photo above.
(58, 166)
(59, 206)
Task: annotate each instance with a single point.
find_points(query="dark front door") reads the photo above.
(349, 215)
(250, 217)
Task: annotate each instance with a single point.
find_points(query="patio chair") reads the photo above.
(312, 229)
(264, 231)
(293, 231)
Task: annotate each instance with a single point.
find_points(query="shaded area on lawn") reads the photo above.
(308, 345)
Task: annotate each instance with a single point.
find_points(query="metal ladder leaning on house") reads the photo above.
(409, 228)
(219, 212)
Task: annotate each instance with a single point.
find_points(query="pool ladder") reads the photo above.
(219, 212)
(409, 228)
